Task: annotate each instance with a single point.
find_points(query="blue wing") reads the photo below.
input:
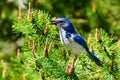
(80, 40)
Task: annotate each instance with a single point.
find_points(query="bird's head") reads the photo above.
(64, 23)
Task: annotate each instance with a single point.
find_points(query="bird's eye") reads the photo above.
(62, 22)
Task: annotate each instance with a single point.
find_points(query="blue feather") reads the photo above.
(80, 40)
(94, 58)
(68, 35)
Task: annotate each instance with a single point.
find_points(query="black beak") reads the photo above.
(53, 22)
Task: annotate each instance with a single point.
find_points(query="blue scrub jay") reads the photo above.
(73, 41)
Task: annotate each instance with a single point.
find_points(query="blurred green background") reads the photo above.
(24, 43)
(86, 15)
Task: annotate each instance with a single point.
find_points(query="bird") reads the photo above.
(71, 40)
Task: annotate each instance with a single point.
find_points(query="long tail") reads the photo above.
(94, 58)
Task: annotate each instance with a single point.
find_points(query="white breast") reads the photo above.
(70, 44)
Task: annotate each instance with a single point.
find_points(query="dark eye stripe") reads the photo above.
(61, 21)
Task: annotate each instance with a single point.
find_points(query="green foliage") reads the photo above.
(86, 14)
(7, 10)
(37, 60)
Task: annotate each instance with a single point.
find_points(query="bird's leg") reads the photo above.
(70, 68)
(66, 56)
(74, 59)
